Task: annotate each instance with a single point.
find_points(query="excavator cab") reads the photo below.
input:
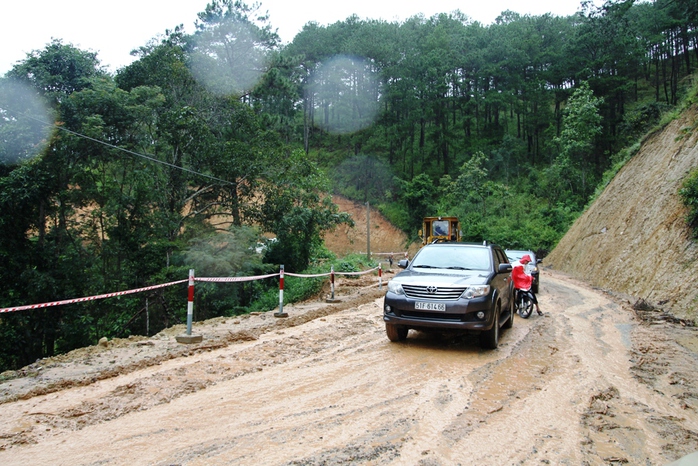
(440, 229)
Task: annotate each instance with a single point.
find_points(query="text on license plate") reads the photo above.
(429, 306)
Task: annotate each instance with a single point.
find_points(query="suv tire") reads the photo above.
(396, 332)
(489, 339)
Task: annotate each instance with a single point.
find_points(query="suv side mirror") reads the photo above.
(403, 263)
(504, 268)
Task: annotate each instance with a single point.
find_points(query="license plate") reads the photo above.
(429, 306)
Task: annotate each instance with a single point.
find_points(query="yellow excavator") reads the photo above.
(440, 229)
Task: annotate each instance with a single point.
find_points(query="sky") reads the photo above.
(113, 29)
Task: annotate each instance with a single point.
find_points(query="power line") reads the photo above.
(147, 157)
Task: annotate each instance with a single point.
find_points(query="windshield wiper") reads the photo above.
(428, 266)
(459, 268)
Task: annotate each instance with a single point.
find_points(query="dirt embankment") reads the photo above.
(633, 239)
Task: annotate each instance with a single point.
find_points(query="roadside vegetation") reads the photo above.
(689, 189)
(185, 159)
(689, 195)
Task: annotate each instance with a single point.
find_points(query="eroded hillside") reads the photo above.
(633, 239)
(385, 237)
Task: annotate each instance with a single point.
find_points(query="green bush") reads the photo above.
(395, 213)
(689, 196)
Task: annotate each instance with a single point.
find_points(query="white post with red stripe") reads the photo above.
(332, 282)
(190, 301)
(281, 312)
(188, 337)
(380, 276)
(332, 299)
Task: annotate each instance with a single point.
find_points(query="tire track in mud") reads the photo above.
(623, 422)
(331, 389)
(507, 398)
(599, 333)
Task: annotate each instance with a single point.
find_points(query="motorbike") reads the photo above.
(524, 302)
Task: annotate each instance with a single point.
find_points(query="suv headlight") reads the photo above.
(395, 287)
(474, 291)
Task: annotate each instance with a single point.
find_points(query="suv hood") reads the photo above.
(443, 277)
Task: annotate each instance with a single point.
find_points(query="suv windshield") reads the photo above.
(455, 257)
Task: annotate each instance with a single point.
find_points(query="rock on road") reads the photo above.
(589, 383)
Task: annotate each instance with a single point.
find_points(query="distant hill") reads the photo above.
(633, 239)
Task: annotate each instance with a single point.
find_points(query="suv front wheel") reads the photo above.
(396, 332)
(489, 339)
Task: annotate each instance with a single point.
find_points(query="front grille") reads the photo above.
(445, 293)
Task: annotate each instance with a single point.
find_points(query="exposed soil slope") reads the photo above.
(633, 240)
(385, 238)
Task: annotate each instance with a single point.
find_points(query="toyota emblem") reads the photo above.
(431, 289)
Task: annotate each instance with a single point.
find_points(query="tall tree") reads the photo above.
(297, 209)
(581, 125)
(41, 254)
(229, 52)
(57, 70)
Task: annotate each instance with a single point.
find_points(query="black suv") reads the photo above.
(452, 286)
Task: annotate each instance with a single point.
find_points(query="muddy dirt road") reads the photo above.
(591, 382)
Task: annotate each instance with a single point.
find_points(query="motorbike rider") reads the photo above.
(523, 280)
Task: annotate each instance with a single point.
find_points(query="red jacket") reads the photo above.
(522, 280)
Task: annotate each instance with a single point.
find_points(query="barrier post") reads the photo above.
(380, 276)
(280, 312)
(190, 301)
(332, 299)
(188, 337)
(332, 281)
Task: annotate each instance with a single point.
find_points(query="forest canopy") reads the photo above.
(210, 143)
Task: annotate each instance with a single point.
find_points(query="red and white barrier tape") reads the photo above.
(235, 279)
(89, 298)
(308, 276)
(154, 287)
(357, 273)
